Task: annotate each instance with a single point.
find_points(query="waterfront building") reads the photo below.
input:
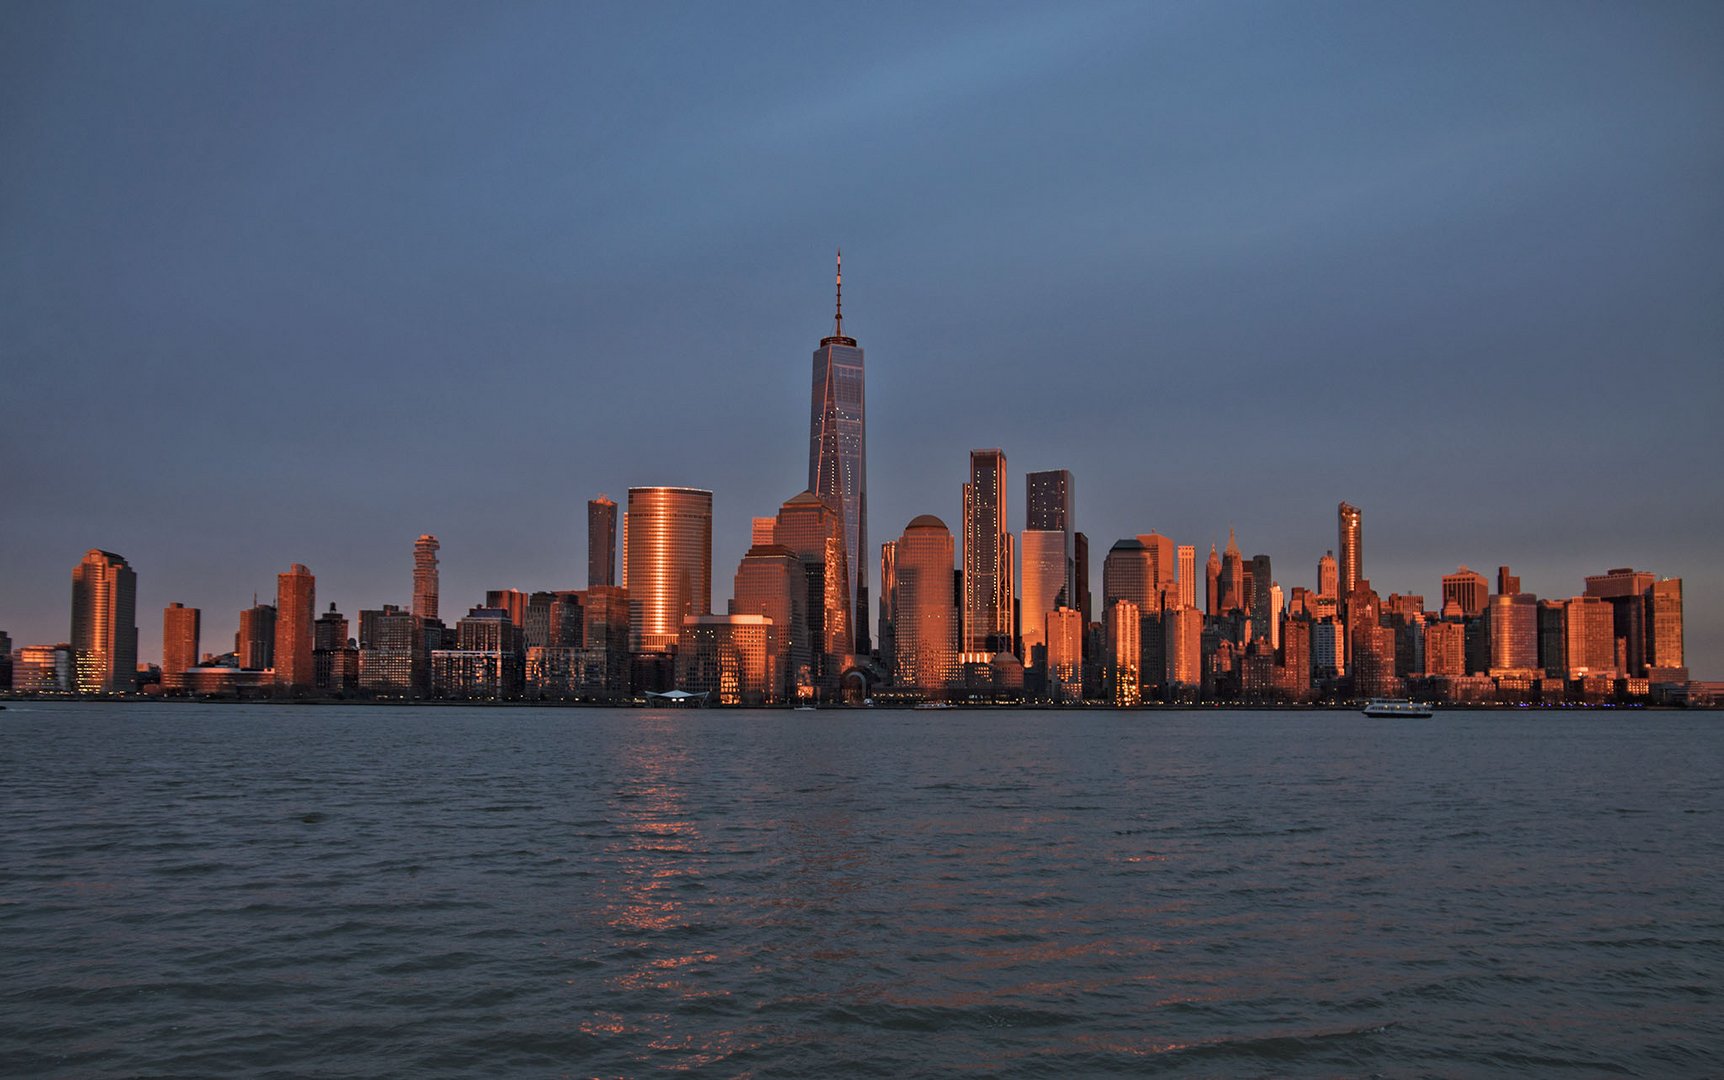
(883, 639)
(668, 563)
(838, 456)
(5, 661)
(425, 576)
(489, 662)
(1589, 637)
(334, 660)
(732, 658)
(770, 582)
(924, 619)
(1512, 621)
(394, 659)
(104, 624)
(606, 668)
(43, 669)
(1064, 637)
(181, 627)
(295, 611)
(1468, 589)
(1350, 544)
(1626, 589)
(1124, 644)
(1080, 575)
(254, 645)
(811, 528)
(1553, 638)
(601, 542)
(1187, 575)
(988, 556)
(536, 622)
(1664, 645)
(568, 619)
(1373, 655)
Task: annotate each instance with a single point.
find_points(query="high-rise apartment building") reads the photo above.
(1467, 588)
(732, 658)
(988, 556)
(668, 563)
(1513, 622)
(1121, 668)
(1328, 577)
(295, 611)
(1064, 636)
(601, 542)
(511, 601)
(1351, 564)
(838, 454)
(254, 645)
(1589, 637)
(1182, 651)
(104, 624)
(425, 576)
(1664, 624)
(180, 631)
(394, 660)
(924, 620)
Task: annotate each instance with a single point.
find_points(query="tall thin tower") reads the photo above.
(988, 556)
(838, 451)
(425, 576)
(601, 541)
(104, 624)
(1351, 558)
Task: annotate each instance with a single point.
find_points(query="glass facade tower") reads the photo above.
(669, 562)
(838, 454)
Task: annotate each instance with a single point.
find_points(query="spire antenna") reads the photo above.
(838, 315)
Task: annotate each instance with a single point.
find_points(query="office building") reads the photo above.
(1513, 626)
(425, 576)
(104, 624)
(988, 557)
(1124, 643)
(295, 611)
(1212, 583)
(924, 619)
(1589, 638)
(601, 542)
(1128, 573)
(838, 456)
(1187, 577)
(254, 645)
(811, 528)
(731, 658)
(1064, 643)
(394, 659)
(1230, 587)
(771, 583)
(181, 627)
(1664, 646)
(1468, 589)
(668, 563)
(1049, 553)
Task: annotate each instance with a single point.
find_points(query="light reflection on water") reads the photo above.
(206, 890)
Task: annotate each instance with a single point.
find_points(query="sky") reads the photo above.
(298, 282)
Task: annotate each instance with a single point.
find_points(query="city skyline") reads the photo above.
(1255, 298)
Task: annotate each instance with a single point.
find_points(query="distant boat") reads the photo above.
(678, 698)
(934, 705)
(1397, 707)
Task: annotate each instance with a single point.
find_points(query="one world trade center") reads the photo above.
(838, 452)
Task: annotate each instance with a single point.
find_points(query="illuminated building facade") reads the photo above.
(181, 627)
(104, 624)
(1163, 581)
(1121, 670)
(43, 669)
(1664, 625)
(1065, 655)
(1589, 637)
(1348, 519)
(668, 563)
(770, 582)
(335, 663)
(1328, 577)
(924, 620)
(601, 542)
(1049, 552)
(605, 643)
(838, 456)
(988, 557)
(1468, 589)
(1212, 583)
(295, 611)
(732, 658)
(1182, 650)
(1230, 587)
(425, 576)
(1513, 623)
(1128, 574)
(1187, 555)
(813, 530)
(394, 660)
(883, 640)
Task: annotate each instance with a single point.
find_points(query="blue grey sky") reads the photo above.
(297, 282)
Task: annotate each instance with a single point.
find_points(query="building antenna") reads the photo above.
(838, 316)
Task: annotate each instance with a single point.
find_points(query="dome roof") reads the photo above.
(926, 521)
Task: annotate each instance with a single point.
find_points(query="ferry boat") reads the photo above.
(1397, 707)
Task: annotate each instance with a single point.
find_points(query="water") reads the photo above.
(218, 891)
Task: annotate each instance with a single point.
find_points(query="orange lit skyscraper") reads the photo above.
(180, 626)
(668, 562)
(295, 612)
(104, 624)
(425, 576)
(1048, 542)
(924, 621)
(988, 556)
(811, 528)
(1351, 560)
(838, 453)
(1187, 575)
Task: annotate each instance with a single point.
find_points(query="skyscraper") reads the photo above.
(1664, 624)
(1049, 553)
(295, 612)
(601, 542)
(180, 626)
(1351, 561)
(838, 452)
(425, 576)
(1187, 575)
(104, 624)
(668, 561)
(988, 584)
(254, 645)
(1231, 584)
(770, 582)
(812, 530)
(924, 621)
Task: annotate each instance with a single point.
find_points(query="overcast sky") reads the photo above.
(298, 282)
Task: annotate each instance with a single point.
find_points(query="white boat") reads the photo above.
(1397, 707)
